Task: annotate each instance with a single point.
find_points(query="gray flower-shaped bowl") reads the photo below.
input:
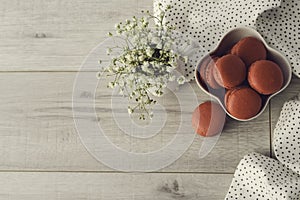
(231, 38)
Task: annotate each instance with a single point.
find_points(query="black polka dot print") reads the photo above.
(207, 21)
(281, 28)
(258, 177)
(287, 135)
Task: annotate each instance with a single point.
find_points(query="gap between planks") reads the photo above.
(111, 172)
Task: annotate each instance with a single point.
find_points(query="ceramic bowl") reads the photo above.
(226, 43)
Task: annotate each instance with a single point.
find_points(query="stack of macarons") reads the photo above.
(246, 74)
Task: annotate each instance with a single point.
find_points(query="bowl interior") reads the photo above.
(226, 43)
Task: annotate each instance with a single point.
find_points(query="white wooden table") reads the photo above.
(42, 45)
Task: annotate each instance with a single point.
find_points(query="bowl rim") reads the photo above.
(256, 34)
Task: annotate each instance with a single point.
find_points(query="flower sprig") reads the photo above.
(147, 61)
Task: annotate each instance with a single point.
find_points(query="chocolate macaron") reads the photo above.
(206, 71)
(230, 71)
(203, 66)
(243, 102)
(265, 77)
(208, 119)
(250, 49)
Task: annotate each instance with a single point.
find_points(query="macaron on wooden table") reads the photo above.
(43, 43)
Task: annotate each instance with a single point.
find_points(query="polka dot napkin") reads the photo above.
(287, 135)
(259, 177)
(207, 21)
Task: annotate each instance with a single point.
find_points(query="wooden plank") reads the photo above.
(92, 186)
(37, 131)
(278, 101)
(57, 35)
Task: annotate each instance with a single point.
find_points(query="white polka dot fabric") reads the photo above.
(280, 28)
(287, 135)
(258, 177)
(207, 21)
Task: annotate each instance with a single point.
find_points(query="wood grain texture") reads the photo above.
(57, 35)
(106, 186)
(42, 45)
(278, 101)
(37, 129)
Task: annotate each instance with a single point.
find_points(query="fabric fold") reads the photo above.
(261, 177)
(287, 135)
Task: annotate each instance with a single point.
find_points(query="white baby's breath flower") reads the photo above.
(115, 68)
(164, 79)
(173, 63)
(151, 115)
(119, 31)
(117, 26)
(145, 24)
(145, 68)
(151, 71)
(98, 75)
(110, 69)
(158, 93)
(169, 68)
(131, 26)
(153, 34)
(164, 85)
(121, 83)
(130, 77)
(181, 80)
(159, 45)
(146, 62)
(136, 38)
(122, 59)
(141, 58)
(186, 59)
(172, 78)
(151, 80)
(143, 78)
(128, 57)
(121, 92)
(149, 52)
(111, 84)
(108, 51)
(130, 110)
(168, 7)
(162, 14)
(155, 40)
(172, 52)
(145, 20)
(150, 35)
(144, 41)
